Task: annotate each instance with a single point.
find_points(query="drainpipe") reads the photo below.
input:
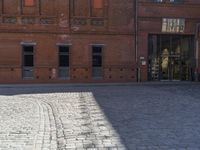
(136, 42)
(197, 52)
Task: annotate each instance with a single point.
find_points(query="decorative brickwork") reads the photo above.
(121, 28)
(47, 25)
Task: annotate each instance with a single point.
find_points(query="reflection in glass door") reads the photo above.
(165, 64)
(164, 57)
(175, 57)
(171, 57)
(175, 68)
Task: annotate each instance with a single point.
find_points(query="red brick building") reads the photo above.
(66, 41)
(61, 41)
(168, 35)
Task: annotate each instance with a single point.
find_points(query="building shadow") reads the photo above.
(142, 115)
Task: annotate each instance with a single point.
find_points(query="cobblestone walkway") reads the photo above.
(58, 121)
(25, 124)
(134, 117)
(80, 123)
(19, 123)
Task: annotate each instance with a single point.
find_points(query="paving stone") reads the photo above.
(161, 116)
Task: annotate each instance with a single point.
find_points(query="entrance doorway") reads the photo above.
(171, 57)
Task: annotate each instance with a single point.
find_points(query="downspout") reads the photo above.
(69, 15)
(39, 7)
(1, 3)
(136, 41)
(197, 51)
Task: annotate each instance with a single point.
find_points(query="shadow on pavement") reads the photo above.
(144, 116)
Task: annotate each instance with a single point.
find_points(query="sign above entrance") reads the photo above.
(173, 25)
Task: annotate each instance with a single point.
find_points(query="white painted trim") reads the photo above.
(63, 44)
(28, 43)
(98, 44)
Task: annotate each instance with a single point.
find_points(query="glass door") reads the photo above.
(165, 57)
(175, 68)
(171, 57)
(175, 58)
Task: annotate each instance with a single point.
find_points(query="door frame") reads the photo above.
(171, 57)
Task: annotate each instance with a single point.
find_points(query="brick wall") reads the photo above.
(50, 22)
(150, 16)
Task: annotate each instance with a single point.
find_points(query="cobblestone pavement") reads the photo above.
(100, 117)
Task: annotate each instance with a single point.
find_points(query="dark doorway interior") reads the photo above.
(171, 57)
(63, 62)
(97, 62)
(28, 61)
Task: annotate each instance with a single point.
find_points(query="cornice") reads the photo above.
(66, 32)
(179, 5)
(166, 16)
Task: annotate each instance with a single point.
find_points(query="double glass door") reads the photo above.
(171, 57)
(170, 68)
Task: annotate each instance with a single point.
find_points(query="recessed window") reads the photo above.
(97, 8)
(97, 61)
(63, 62)
(158, 1)
(28, 61)
(97, 4)
(168, 1)
(29, 3)
(92, 8)
(80, 7)
(176, 1)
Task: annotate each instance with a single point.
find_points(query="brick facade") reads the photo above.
(49, 23)
(80, 24)
(149, 21)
